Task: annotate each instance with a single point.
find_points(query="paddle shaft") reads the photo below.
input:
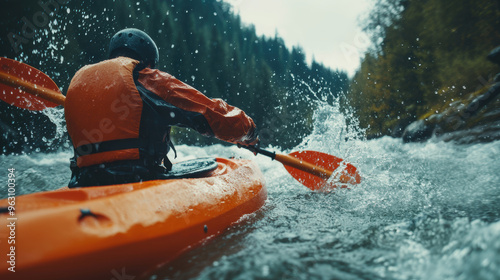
(292, 162)
(45, 93)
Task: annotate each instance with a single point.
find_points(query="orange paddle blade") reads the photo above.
(26, 87)
(324, 165)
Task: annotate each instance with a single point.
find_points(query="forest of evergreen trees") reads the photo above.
(426, 54)
(201, 42)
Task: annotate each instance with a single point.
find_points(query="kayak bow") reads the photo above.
(86, 233)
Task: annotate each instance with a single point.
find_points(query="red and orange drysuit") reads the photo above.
(119, 119)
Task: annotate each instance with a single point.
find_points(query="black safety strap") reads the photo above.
(107, 146)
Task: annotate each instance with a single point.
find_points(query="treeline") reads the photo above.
(426, 54)
(201, 42)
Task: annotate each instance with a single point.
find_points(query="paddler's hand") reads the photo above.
(251, 148)
(252, 138)
(253, 143)
(249, 145)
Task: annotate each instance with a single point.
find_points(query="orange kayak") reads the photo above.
(123, 231)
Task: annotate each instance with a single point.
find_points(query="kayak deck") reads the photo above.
(89, 233)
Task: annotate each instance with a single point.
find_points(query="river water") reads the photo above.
(423, 211)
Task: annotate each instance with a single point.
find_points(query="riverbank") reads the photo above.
(473, 119)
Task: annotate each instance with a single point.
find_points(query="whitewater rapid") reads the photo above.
(422, 211)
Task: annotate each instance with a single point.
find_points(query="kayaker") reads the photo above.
(119, 113)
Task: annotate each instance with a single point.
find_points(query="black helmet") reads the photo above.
(136, 44)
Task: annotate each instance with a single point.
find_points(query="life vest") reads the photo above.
(103, 112)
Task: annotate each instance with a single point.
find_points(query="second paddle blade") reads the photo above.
(15, 95)
(347, 174)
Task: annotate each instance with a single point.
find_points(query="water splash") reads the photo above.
(56, 116)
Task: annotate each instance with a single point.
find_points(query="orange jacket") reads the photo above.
(115, 112)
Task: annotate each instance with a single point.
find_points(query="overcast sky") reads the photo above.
(328, 30)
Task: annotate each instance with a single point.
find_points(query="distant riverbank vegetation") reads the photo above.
(426, 55)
